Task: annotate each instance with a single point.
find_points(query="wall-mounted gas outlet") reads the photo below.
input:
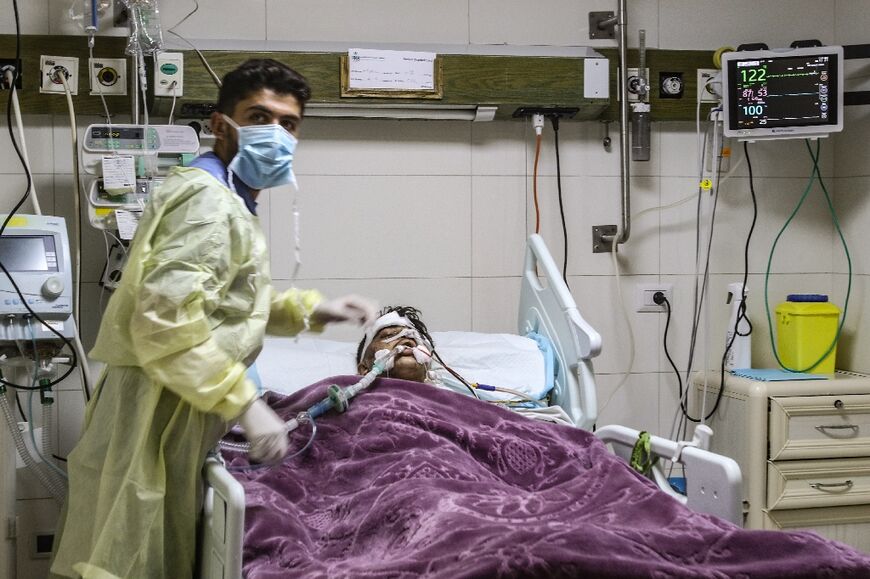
(644, 300)
(51, 67)
(169, 75)
(635, 86)
(709, 85)
(8, 65)
(108, 76)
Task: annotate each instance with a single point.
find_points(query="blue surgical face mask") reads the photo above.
(265, 155)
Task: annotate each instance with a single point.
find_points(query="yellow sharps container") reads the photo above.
(806, 326)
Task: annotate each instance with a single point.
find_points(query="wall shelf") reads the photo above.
(506, 82)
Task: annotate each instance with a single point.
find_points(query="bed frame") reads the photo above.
(547, 308)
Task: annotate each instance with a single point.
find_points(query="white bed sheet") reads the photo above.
(288, 364)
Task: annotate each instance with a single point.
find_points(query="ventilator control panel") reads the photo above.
(34, 249)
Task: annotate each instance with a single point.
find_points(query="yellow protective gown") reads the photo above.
(188, 318)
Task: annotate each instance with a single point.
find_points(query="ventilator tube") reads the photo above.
(740, 353)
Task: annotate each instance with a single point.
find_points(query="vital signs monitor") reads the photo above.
(783, 94)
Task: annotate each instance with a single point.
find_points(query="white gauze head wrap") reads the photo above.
(423, 350)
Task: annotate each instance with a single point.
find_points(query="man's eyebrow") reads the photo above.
(270, 112)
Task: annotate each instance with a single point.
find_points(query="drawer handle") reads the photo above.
(846, 485)
(853, 428)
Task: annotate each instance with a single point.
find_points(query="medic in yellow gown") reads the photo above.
(178, 336)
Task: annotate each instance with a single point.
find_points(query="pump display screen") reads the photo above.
(774, 92)
(28, 253)
(123, 133)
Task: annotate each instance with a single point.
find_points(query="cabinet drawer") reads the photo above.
(799, 484)
(819, 426)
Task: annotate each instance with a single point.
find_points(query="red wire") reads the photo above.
(535, 185)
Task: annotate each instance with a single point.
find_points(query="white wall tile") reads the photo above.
(853, 350)
(93, 243)
(495, 304)
(635, 404)
(851, 21)
(378, 21)
(221, 19)
(592, 201)
(445, 303)
(555, 22)
(498, 219)
(851, 158)
(14, 187)
(38, 138)
(707, 24)
(375, 227)
(499, 148)
(852, 204)
(33, 15)
(804, 247)
(70, 420)
(383, 147)
(597, 301)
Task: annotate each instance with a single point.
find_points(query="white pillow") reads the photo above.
(288, 364)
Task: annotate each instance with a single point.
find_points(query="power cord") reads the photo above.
(659, 298)
(555, 120)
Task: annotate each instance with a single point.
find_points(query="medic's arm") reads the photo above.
(291, 312)
(189, 265)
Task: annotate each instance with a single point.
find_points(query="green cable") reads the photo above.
(816, 172)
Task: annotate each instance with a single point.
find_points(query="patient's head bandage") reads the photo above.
(423, 350)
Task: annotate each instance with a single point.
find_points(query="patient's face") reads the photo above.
(405, 366)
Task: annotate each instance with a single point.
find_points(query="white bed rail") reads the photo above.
(223, 524)
(713, 482)
(549, 309)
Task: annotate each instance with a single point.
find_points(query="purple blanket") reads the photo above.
(414, 481)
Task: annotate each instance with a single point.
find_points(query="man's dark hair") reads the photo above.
(255, 75)
(413, 315)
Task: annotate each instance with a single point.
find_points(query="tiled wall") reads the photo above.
(435, 213)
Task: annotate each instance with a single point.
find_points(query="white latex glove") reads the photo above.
(266, 432)
(350, 308)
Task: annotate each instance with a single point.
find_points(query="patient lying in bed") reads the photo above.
(413, 481)
(403, 326)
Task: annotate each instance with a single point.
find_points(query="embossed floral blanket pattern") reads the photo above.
(415, 481)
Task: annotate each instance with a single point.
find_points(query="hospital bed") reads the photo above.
(548, 309)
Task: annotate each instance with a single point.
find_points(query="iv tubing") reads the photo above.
(20, 124)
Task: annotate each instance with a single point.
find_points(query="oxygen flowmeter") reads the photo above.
(34, 249)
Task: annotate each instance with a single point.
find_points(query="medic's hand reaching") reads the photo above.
(351, 308)
(266, 432)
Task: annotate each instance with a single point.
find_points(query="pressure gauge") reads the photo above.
(670, 85)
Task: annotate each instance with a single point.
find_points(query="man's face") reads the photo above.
(264, 107)
(405, 366)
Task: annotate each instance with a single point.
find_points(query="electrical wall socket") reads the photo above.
(705, 75)
(108, 76)
(169, 75)
(644, 297)
(51, 66)
(9, 64)
(634, 85)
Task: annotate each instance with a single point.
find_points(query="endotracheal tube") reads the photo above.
(337, 398)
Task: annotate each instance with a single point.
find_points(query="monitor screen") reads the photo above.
(28, 253)
(794, 93)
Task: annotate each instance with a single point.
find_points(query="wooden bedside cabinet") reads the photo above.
(804, 449)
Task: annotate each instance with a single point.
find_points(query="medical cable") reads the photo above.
(454, 373)
(667, 305)
(631, 346)
(174, 87)
(555, 121)
(337, 398)
(21, 200)
(202, 58)
(16, 107)
(815, 173)
(538, 121)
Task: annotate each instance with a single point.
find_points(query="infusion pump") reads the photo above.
(140, 156)
(34, 249)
